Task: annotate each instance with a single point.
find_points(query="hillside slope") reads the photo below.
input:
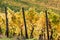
(38, 4)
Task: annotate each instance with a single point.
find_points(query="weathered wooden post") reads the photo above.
(7, 29)
(47, 24)
(26, 34)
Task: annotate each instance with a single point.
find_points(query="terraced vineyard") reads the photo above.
(35, 23)
(37, 20)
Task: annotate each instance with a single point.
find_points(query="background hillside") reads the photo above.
(38, 4)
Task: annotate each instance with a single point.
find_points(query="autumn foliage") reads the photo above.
(35, 23)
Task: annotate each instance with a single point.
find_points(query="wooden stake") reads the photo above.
(26, 34)
(47, 25)
(7, 29)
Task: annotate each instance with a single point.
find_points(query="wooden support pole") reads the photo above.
(7, 29)
(47, 25)
(26, 34)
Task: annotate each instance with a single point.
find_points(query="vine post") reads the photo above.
(7, 29)
(47, 24)
(26, 34)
